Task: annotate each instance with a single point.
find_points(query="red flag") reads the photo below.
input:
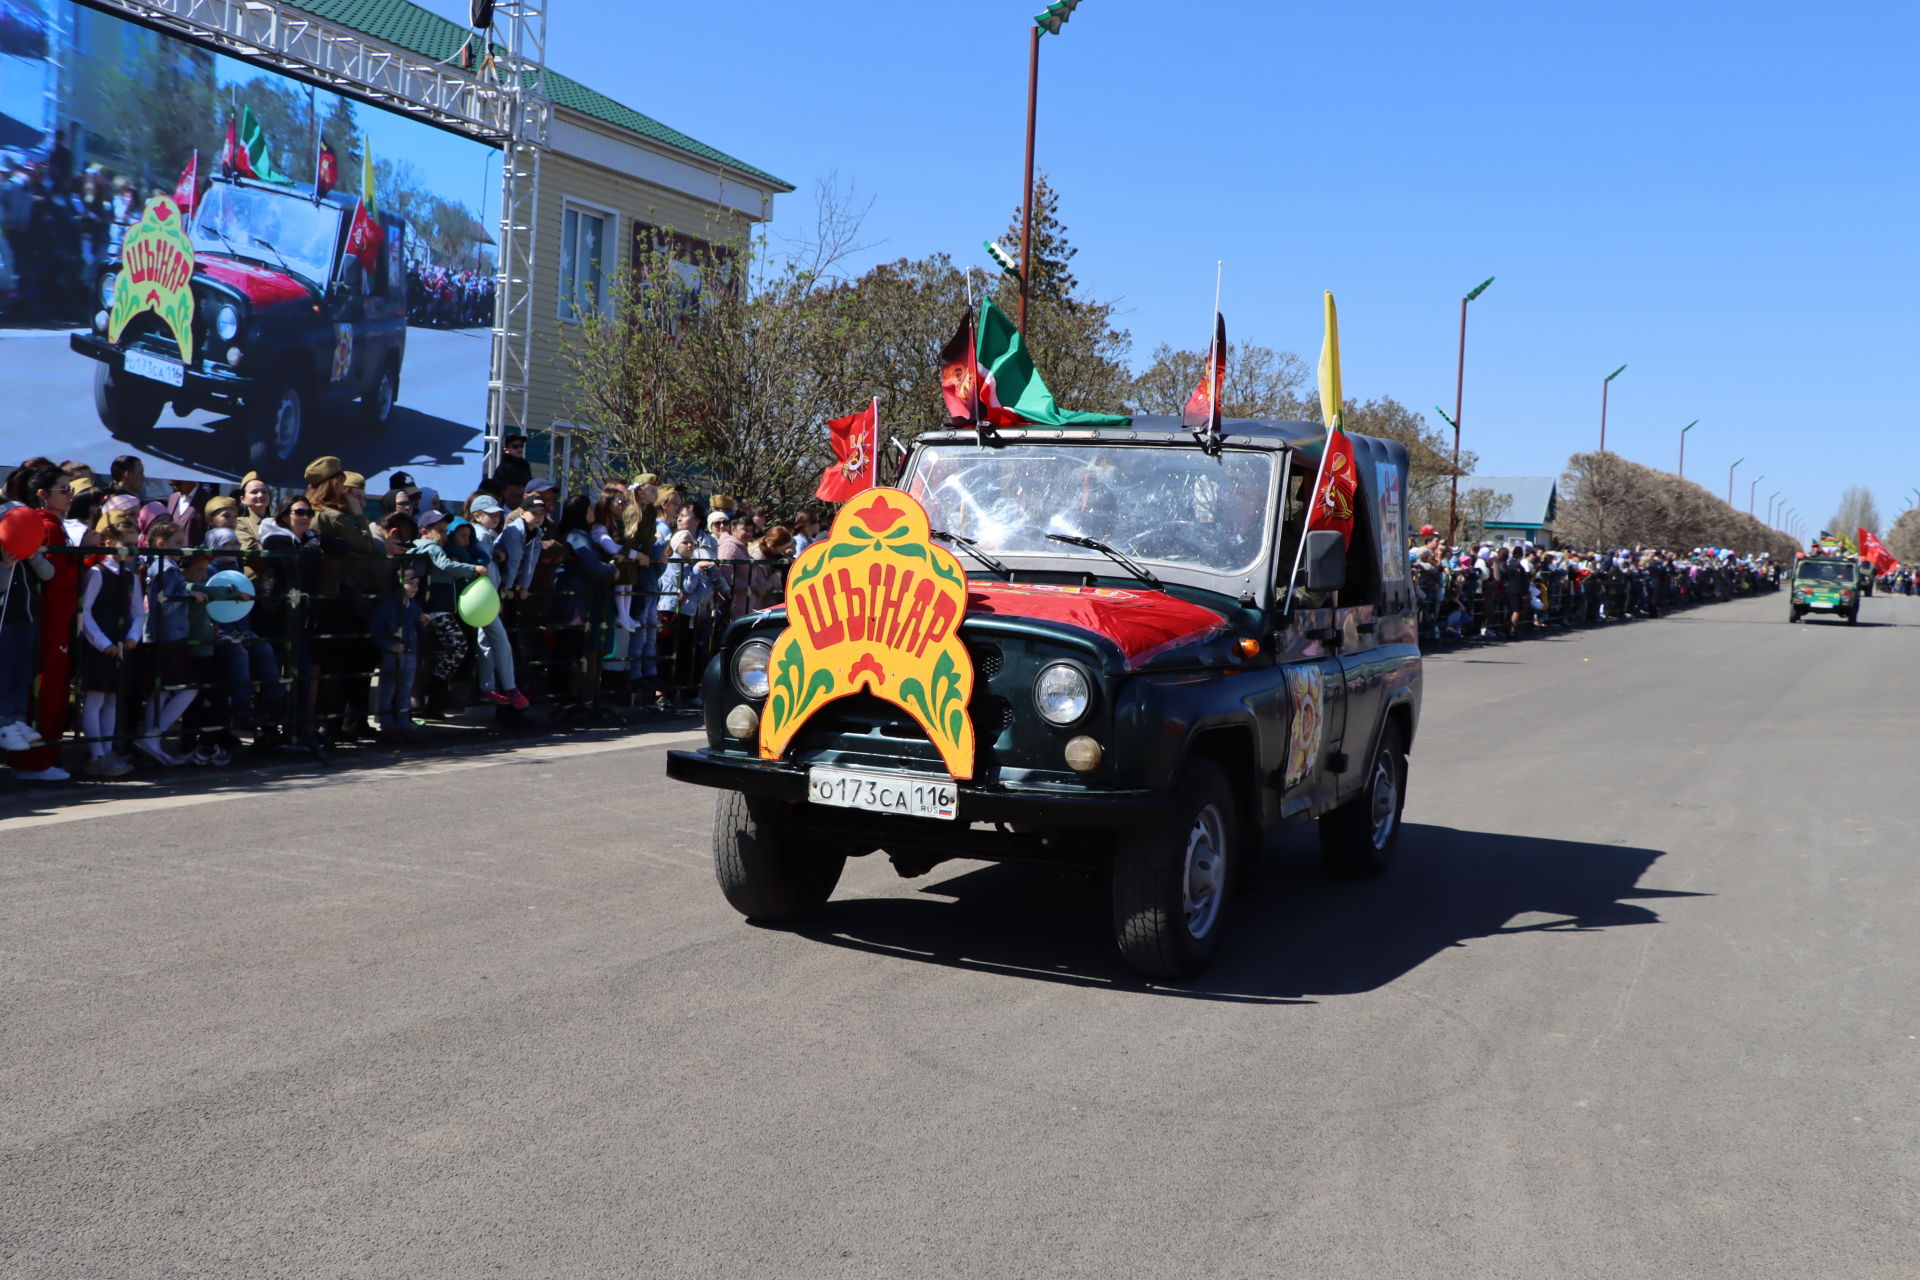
(854, 438)
(1333, 502)
(1875, 550)
(960, 374)
(233, 157)
(326, 170)
(1202, 411)
(188, 186)
(363, 239)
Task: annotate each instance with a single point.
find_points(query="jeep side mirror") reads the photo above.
(1326, 558)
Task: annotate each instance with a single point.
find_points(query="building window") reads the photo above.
(583, 264)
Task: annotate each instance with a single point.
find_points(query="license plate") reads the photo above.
(1821, 604)
(882, 792)
(151, 366)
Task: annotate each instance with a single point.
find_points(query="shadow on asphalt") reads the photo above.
(412, 438)
(1303, 937)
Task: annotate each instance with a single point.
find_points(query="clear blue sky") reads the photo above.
(1722, 196)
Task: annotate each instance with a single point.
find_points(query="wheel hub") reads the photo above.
(1385, 809)
(1204, 882)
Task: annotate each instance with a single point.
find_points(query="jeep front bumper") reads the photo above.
(1036, 807)
(198, 384)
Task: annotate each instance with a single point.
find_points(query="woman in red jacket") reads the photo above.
(48, 492)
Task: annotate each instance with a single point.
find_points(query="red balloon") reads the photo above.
(21, 532)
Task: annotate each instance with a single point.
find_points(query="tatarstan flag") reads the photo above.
(246, 151)
(1011, 390)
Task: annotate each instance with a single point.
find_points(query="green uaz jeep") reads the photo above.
(1164, 666)
(1826, 585)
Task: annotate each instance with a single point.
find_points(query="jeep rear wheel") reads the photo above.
(1358, 838)
(1170, 883)
(274, 423)
(765, 873)
(376, 407)
(125, 406)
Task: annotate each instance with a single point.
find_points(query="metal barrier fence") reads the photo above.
(1457, 604)
(331, 639)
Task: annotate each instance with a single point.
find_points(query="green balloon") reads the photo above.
(479, 602)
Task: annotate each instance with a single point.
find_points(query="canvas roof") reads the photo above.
(403, 23)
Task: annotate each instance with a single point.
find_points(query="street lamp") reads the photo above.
(1603, 404)
(1049, 20)
(1459, 392)
(1683, 446)
(1736, 462)
(1770, 498)
(1753, 489)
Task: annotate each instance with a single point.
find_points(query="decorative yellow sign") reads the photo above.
(156, 274)
(876, 606)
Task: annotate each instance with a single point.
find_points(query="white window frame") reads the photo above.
(564, 306)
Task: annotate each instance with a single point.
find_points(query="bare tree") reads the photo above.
(1857, 511)
(1903, 540)
(1607, 501)
(1260, 382)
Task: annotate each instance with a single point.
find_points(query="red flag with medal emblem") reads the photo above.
(1333, 503)
(1202, 411)
(326, 170)
(960, 374)
(855, 439)
(188, 186)
(363, 238)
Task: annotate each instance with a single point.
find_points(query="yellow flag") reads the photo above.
(366, 181)
(1330, 401)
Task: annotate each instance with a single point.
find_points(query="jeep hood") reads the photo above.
(1142, 624)
(260, 285)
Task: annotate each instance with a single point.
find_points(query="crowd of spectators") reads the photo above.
(180, 619)
(1484, 591)
(58, 225)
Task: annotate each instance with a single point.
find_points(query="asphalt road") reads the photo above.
(436, 433)
(1639, 1000)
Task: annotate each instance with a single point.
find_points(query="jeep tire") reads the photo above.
(1358, 838)
(376, 407)
(1793, 615)
(765, 873)
(276, 419)
(1171, 882)
(124, 405)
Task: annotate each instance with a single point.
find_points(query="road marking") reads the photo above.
(431, 768)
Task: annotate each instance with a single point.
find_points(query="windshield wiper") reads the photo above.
(268, 246)
(1094, 544)
(967, 545)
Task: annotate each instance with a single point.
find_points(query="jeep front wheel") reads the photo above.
(1358, 838)
(765, 873)
(275, 420)
(1170, 883)
(125, 406)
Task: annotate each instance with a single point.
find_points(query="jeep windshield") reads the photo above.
(269, 226)
(1163, 507)
(1814, 571)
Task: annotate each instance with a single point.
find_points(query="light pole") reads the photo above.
(1770, 498)
(1603, 404)
(1753, 489)
(1683, 446)
(1736, 462)
(1050, 20)
(1459, 393)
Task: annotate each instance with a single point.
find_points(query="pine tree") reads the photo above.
(1049, 278)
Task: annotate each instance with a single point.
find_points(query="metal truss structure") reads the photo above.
(520, 70)
(504, 104)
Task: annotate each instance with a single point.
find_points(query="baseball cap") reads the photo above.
(483, 503)
(427, 519)
(540, 486)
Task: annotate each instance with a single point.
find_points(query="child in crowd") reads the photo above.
(166, 668)
(445, 576)
(112, 618)
(395, 627)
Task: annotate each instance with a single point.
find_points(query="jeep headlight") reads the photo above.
(750, 663)
(107, 283)
(226, 323)
(1061, 693)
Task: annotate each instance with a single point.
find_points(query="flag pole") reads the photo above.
(313, 121)
(1219, 387)
(1331, 417)
(876, 442)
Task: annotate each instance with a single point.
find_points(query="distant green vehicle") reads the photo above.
(1826, 585)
